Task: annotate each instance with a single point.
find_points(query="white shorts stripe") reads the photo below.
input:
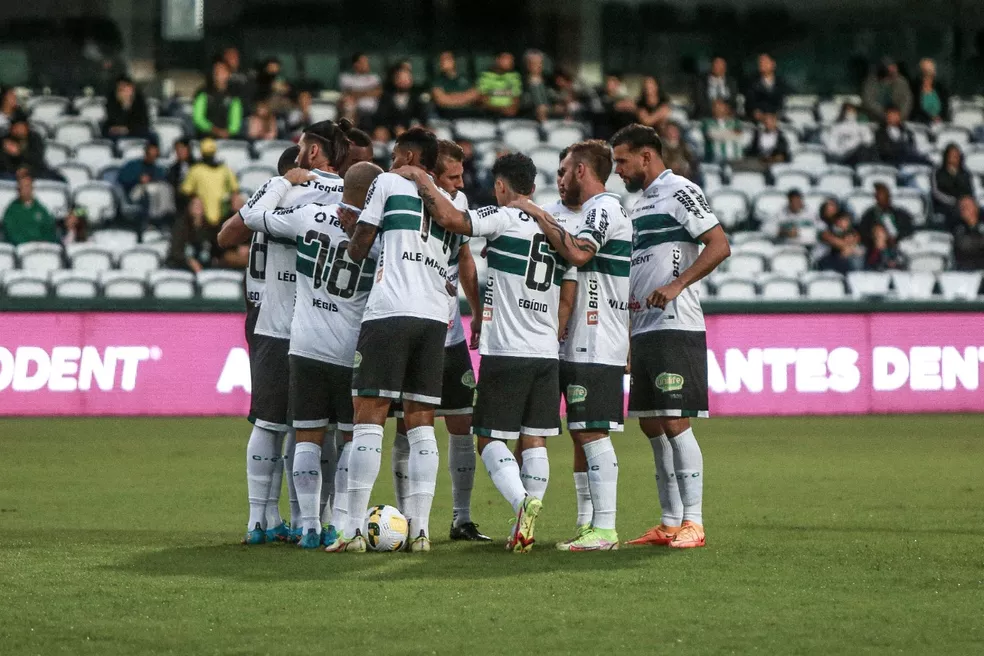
(583, 425)
(453, 413)
(539, 432)
(386, 394)
(646, 414)
(312, 423)
(423, 398)
(268, 425)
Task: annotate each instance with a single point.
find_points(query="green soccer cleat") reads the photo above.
(328, 534)
(311, 540)
(566, 544)
(256, 536)
(279, 533)
(356, 544)
(596, 539)
(521, 540)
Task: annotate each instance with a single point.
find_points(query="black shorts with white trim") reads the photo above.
(400, 358)
(669, 374)
(595, 396)
(320, 394)
(517, 396)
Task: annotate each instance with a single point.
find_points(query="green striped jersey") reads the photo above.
(456, 331)
(598, 330)
(411, 277)
(522, 295)
(666, 223)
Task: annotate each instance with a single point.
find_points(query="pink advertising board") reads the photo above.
(91, 363)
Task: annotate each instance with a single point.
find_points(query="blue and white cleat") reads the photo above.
(256, 536)
(295, 535)
(311, 540)
(328, 534)
(279, 533)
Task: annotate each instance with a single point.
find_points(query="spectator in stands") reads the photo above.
(653, 105)
(895, 143)
(843, 246)
(361, 87)
(184, 159)
(883, 254)
(453, 94)
(23, 148)
(678, 156)
(216, 112)
(262, 124)
(469, 176)
(300, 115)
(538, 97)
(931, 97)
(950, 182)
(897, 222)
(142, 171)
(767, 93)
(145, 184)
(569, 102)
(271, 88)
(722, 134)
(26, 219)
(213, 182)
(76, 227)
(193, 240)
(614, 108)
(400, 107)
(9, 107)
(848, 141)
(716, 85)
(238, 81)
(794, 224)
(234, 257)
(501, 87)
(886, 88)
(769, 145)
(968, 237)
(829, 210)
(126, 111)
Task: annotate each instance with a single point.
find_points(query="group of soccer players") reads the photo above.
(375, 260)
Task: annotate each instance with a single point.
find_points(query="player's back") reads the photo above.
(416, 252)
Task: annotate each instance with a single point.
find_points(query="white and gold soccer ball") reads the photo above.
(386, 528)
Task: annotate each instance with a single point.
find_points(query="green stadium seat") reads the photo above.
(15, 67)
(322, 67)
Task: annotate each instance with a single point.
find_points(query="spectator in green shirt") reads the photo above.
(26, 219)
(453, 94)
(502, 87)
(216, 112)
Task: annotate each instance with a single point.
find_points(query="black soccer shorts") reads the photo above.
(669, 374)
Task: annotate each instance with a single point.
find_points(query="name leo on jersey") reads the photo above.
(287, 276)
(324, 305)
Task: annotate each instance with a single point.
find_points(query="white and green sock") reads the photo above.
(504, 472)
(273, 518)
(261, 460)
(339, 509)
(666, 483)
(401, 470)
(688, 464)
(329, 462)
(585, 508)
(295, 511)
(536, 471)
(423, 465)
(307, 482)
(461, 466)
(365, 460)
(603, 481)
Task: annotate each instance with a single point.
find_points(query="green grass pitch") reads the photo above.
(826, 536)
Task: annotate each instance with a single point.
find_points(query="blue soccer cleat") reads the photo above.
(295, 535)
(279, 533)
(310, 540)
(256, 536)
(328, 534)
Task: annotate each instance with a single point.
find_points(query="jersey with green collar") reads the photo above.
(277, 307)
(411, 277)
(522, 295)
(332, 290)
(598, 330)
(667, 222)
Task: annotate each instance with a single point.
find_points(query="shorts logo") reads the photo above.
(357, 361)
(667, 382)
(576, 394)
(592, 317)
(468, 379)
(487, 314)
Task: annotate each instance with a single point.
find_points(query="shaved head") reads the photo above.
(357, 181)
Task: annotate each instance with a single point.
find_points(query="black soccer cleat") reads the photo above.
(468, 531)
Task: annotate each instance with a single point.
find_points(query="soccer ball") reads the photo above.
(386, 528)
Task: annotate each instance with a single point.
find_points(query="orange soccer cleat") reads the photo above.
(689, 536)
(660, 535)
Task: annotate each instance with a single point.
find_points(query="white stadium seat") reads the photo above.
(8, 257)
(914, 285)
(8, 194)
(865, 170)
(825, 286)
(927, 261)
(810, 162)
(712, 181)
(122, 285)
(564, 135)
(730, 206)
(168, 131)
(114, 239)
(967, 117)
(94, 111)
(139, 260)
(75, 174)
(975, 162)
(74, 133)
(56, 153)
(734, 288)
(255, 176)
(443, 132)
(47, 109)
(99, 200)
(790, 260)
(521, 138)
(89, 257)
(545, 158)
(868, 283)
(475, 129)
(94, 154)
(794, 180)
(836, 184)
(171, 285)
(761, 247)
(947, 136)
(801, 117)
(221, 285)
(74, 284)
(234, 153)
(323, 111)
(131, 149)
(779, 288)
(768, 204)
(828, 111)
(859, 202)
(962, 285)
(913, 202)
(746, 263)
(40, 257)
(25, 284)
(53, 195)
(748, 182)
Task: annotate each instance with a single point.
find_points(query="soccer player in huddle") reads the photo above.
(670, 222)
(400, 353)
(518, 396)
(596, 345)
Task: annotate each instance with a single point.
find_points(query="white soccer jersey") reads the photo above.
(598, 330)
(569, 219)
(256, 269)
(456, 331)
(278, 297)
(523, 291)
(666, 224)
(411, 277)
(332, 290)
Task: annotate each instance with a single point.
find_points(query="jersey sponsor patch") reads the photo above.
(668, 382)
(468, 379)
(592, 319)
(357, 360)
(577, 394)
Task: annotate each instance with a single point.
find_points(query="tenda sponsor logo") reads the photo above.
(806, 370)
(72, 368)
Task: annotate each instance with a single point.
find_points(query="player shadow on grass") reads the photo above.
(284, 562)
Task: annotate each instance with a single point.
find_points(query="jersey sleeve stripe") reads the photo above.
(655, 222)
(663, 237)
(512, 245)
(617, 248)
(401, 221)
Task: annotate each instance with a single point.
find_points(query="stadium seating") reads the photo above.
(790, 260)
(824, 286)
(218, 284)
(735, 287)
(88, 257)
(865, 284)
(748, 182)
(171, 285)
(139, 260)
(913, 285)
(39, 257)
(114, 239)
(74, 284)
(778, 287)
(122, 284)
(962, 285)
(746, 263)
(99, 200)
(76, 174)
(252, 177)
(25, 284)
(8, 257)
(168, 131)
(53, 195)
(74, 132)
(730, 206)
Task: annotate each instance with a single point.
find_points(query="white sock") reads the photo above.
(339, 509)
(603, 480)
(536, 471)
(307, 482)
(461, 466)
(261, 460)
(688, 465)
(273, 517)
(666, 483)
(329, 462)
(401, 470)
(423, 465)
(585, 509)
(504, 472)
(295, 510)
(364, 462)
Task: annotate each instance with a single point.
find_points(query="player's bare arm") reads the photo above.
(363, 238)
(468, 280)
(234, 232)
(439, 206)
(575, 250)
(716, 250)
(298, 176)
(568, 294)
